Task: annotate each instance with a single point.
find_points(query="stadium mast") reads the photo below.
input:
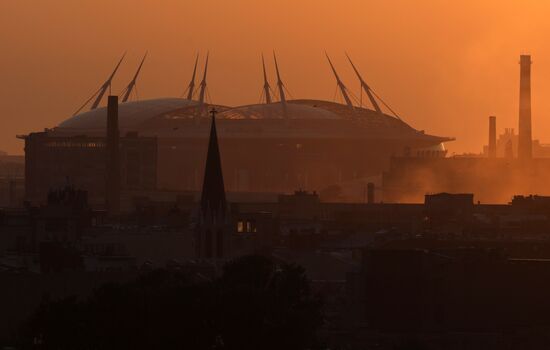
(203, 82)
(280, 84)
(365, 87)
(191, 87)
(267, 88)
(341, 85)
(132, 83)
(371, 93)
(101, 92)
(106, 85)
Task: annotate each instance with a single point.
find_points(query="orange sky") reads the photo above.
(444, 66)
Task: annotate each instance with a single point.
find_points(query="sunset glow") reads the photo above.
(444, 67)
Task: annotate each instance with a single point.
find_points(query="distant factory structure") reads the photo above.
(520, 145)
(506, 146)
(272, 147)
(510, 163)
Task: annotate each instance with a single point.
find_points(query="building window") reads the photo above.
(246, 226)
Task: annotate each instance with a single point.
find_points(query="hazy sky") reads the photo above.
(444, 66)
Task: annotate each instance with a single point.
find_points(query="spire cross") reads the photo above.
(213, 112)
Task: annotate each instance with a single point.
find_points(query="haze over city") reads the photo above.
(442, 66)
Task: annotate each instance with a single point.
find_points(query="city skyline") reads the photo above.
(289, 175)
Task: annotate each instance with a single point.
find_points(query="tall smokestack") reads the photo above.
(112, 195)
(492, 149)
(525, 143)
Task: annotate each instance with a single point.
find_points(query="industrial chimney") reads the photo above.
(525, 143)
(112, 195)
(492, 149)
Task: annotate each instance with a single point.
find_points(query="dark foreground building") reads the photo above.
(441, 294)
(453, 287)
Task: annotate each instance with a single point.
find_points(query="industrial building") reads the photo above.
(53, 160)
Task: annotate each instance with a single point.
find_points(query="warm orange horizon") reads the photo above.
(443, 67)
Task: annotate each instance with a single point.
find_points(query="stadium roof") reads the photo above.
(130, 114)
(181, 118)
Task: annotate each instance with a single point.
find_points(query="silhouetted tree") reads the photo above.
(264, 305)
(254, 304)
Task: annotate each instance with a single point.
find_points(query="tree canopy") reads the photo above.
(254, 304)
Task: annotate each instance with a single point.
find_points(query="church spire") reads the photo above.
(213, 230)
(213, 202)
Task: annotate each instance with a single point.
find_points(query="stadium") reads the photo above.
(277, 146)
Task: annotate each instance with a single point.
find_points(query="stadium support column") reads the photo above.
(492, 147)
(525, 144)
(112, 195)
